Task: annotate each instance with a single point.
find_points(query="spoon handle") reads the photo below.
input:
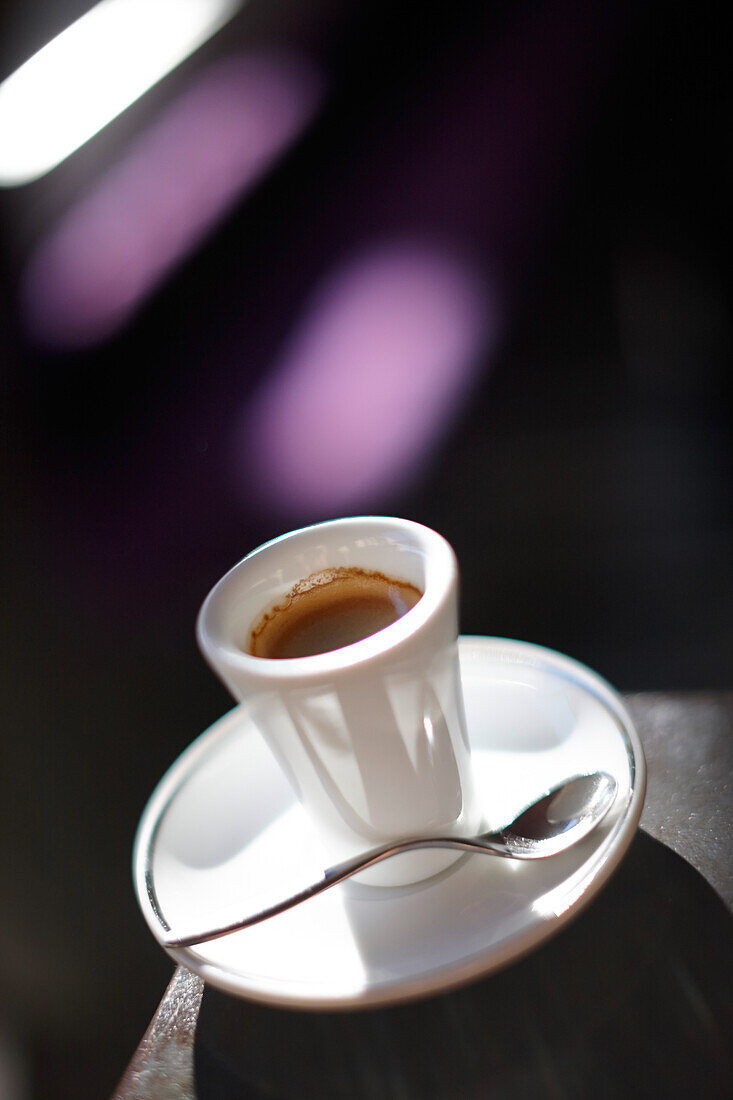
(491, 843)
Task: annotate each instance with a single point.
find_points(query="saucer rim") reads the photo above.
(425, 982)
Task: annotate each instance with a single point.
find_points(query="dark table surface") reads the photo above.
(632, 999)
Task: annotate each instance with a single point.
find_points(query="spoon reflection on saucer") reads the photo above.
(557, 820)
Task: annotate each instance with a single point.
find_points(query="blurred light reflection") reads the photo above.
(373, 377)
(91, 72)
(111, 249)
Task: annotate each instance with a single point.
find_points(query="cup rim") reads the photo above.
(441, 575)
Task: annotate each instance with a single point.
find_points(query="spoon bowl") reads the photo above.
(558, 819)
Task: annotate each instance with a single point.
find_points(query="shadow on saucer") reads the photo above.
(632, 999)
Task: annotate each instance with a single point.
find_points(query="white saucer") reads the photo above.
(223, 832)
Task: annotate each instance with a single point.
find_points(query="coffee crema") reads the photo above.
(328, 610)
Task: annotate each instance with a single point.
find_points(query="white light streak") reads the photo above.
(91, 72)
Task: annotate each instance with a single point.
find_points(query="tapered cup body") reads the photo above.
(372, 735)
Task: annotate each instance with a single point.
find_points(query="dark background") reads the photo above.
(580, 155)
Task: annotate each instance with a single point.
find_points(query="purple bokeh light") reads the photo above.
(372, 378)
(112, 249)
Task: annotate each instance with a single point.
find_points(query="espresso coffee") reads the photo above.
(328, 610)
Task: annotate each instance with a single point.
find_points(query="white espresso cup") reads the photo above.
(372, 736)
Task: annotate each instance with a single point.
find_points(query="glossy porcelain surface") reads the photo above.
(217, 839)
(371, 736)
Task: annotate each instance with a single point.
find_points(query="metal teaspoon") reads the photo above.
(557, 820)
